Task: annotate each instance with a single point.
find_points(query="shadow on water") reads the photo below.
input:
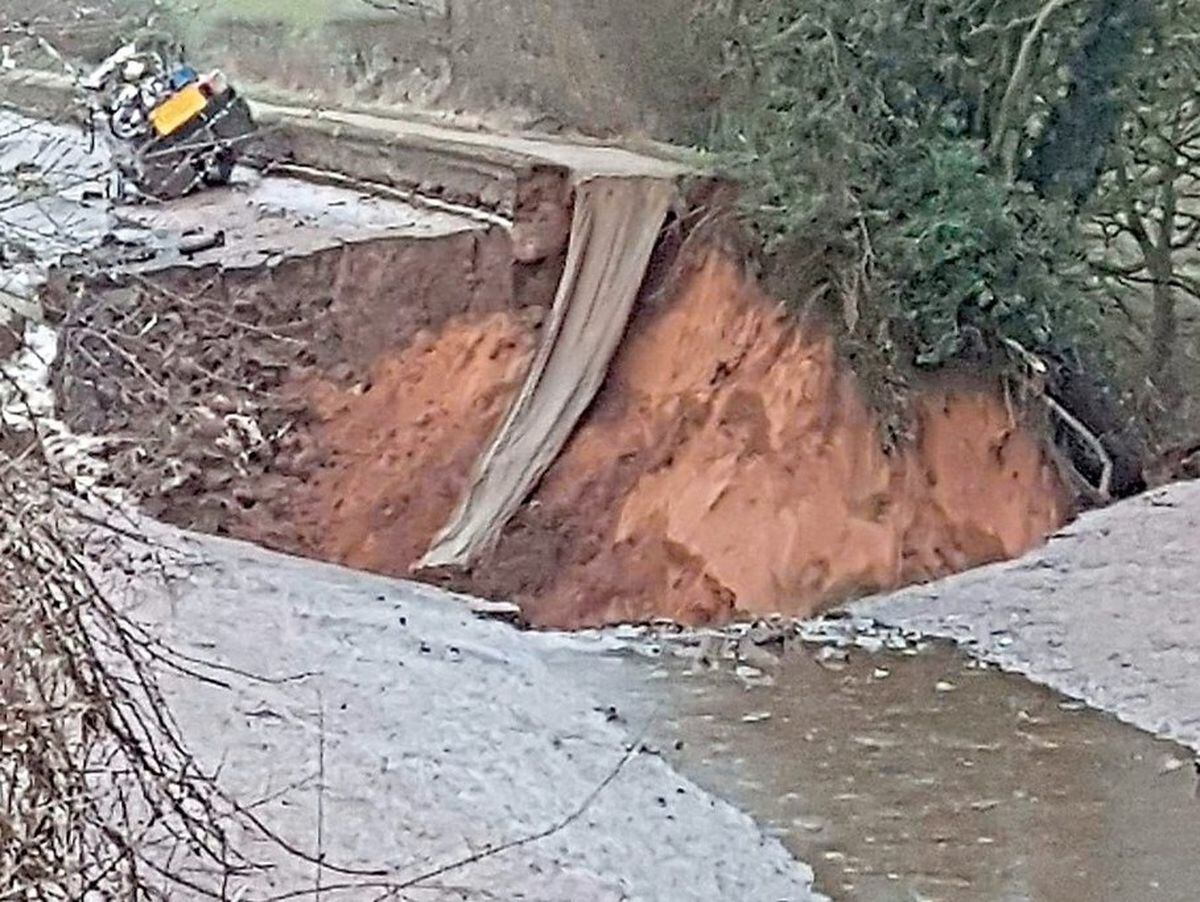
(924, 777)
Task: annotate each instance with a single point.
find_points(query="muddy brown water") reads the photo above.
(925, 777)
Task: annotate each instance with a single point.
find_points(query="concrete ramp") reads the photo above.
(616, 223)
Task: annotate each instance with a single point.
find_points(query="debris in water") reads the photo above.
(751, 653)
(809, 824)
(752, 676)
(1045, 745)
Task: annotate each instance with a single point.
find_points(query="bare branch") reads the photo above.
(1096, 446)
(1004, 142)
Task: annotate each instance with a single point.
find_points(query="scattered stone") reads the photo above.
(832, 658)
(756, 717)
(755, 655)
(808, 825)
(495, 610)
(1169, 764)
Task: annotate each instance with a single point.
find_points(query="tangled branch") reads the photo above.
(97, 791)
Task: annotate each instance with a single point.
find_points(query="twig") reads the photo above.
(320, 791)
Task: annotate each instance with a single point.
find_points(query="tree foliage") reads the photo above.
(950, 156)
(1147, 206)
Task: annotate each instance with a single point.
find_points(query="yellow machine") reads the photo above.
(178, 110)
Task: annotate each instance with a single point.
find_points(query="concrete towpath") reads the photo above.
(1107, 612)
(416, 734)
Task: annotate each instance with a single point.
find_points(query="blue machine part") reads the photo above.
(182, 77)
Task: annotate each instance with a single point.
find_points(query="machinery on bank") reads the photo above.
(170, 129)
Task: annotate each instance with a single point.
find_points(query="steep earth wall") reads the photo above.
(731, 464)
(243, 398)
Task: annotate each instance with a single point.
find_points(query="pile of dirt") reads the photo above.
(731, 464)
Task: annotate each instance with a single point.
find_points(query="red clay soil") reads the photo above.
(731, 464)
(395, 453)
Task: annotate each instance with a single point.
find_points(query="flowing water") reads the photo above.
(922, 777)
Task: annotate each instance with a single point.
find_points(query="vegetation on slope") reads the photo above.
(1006, 184)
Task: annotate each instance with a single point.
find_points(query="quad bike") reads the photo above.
(170, 130)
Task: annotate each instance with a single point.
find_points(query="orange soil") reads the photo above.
(397, 455)
(731, 464)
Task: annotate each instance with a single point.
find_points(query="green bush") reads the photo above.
(972, 265)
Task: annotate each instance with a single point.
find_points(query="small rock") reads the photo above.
(1169, 763)
(831, 658)
(944, 686)
(756, 717)
(495, 610)
(871, 644)
(881, 673)
(808, 824)
(754, 655)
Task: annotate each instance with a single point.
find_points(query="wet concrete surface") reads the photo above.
(1107, 612)
(262, 220)
(922, 776)
(54, 200)
(51, 187)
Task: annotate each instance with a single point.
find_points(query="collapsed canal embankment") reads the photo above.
(335, 375)
(729, 464)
